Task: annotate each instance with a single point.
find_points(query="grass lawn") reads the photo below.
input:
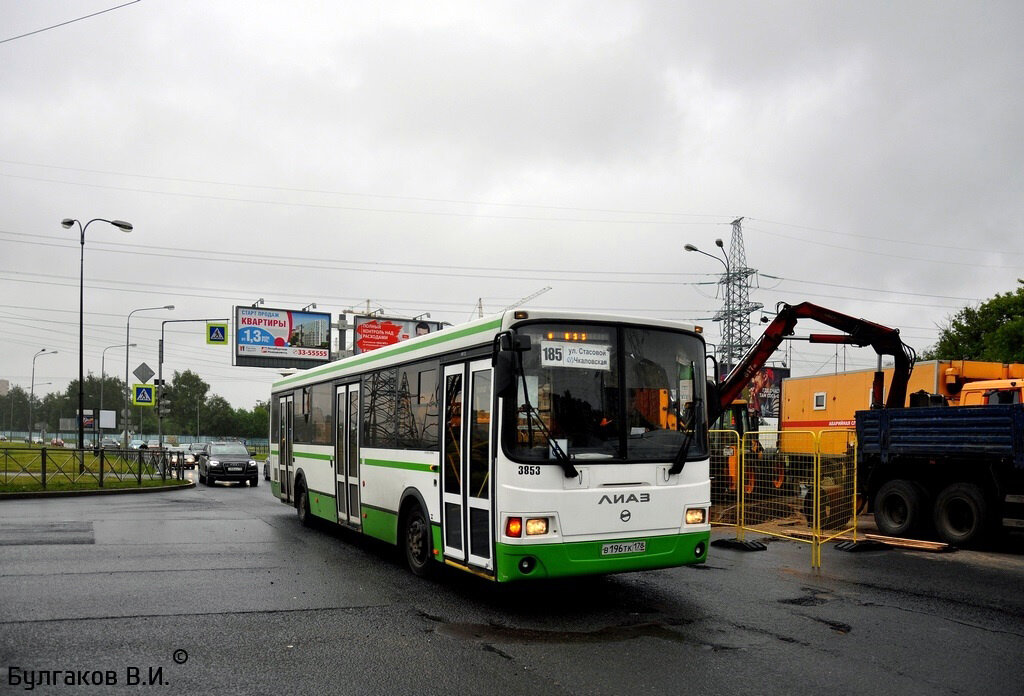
(25, 484)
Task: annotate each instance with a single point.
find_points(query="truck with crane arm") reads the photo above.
(957, 470)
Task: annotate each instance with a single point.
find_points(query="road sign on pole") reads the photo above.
(144, 372)
(142, 395)
(217, 334)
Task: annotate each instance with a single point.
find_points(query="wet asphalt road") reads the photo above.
(224, 593)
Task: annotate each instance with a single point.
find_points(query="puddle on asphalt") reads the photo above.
(811, 598)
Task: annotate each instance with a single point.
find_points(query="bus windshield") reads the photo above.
(605, 392)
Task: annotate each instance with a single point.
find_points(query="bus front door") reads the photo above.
(285, 460)
(346, 454)
(466, 458)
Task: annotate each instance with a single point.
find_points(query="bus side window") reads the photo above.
(379, 416)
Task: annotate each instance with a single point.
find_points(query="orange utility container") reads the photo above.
(829, 401)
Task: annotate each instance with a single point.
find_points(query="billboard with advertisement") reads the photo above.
(766, 391)
(374, 332)
(266, 337)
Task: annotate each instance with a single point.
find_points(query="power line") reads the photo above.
(242, 296)
(360, 209)
(867, 236)
(374, 267)
(70, 21)
(272, 259)
(891, 256)
(418, 199)
(854, 287)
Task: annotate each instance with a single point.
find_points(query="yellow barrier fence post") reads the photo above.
(731, 483)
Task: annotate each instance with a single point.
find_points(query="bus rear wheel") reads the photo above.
(302, 506)
(417, 543)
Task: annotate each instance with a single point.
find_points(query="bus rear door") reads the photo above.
(346, 454)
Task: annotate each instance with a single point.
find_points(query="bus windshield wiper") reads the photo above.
(684, 449)
(553, 446)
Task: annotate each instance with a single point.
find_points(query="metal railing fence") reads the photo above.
(46, 468)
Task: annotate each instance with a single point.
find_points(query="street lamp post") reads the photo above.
(103, 376)
(67, 223)
(725, 349)
(127, 347)
(41, 384)
(32, 391)
(160, 373)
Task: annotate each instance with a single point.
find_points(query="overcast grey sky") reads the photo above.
(424, 155)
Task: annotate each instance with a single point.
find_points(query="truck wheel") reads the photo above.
(961, 514)
(900, 508)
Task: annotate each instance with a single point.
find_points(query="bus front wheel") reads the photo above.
(417, 543)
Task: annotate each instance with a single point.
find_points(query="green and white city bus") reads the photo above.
(527, 445)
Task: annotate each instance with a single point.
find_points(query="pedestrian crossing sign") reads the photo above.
(142, 395)
(217, 334)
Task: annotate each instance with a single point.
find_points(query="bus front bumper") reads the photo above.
(535, 561)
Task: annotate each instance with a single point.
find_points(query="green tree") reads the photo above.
(260, 421)
(14, 410)
(220, 418)
(993, 331)
(187, 394)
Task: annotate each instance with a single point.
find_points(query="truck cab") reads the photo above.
(992, 391)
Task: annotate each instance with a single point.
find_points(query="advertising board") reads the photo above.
(766, 391)
(266, 337)
(372, 332)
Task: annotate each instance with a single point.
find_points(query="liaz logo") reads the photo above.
(624, 498)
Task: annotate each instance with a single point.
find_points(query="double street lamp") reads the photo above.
(720, 245)
(32, 391)
(67, 223)
(128, 345)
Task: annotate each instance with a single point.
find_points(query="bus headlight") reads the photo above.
(536, 526)
(696, 515)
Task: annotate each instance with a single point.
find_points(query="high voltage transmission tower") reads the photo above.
(737, 307)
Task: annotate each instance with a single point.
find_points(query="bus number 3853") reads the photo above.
(528, 470)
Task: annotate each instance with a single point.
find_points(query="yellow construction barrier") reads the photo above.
(795, 484)
(835, 499)
(725, 475)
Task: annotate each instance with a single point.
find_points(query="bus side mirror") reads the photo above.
(507, 342)
(503, 359)
(714, 407)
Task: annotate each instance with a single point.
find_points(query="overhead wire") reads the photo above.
(70, 21)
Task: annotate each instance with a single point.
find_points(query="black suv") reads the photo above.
(226, 461)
